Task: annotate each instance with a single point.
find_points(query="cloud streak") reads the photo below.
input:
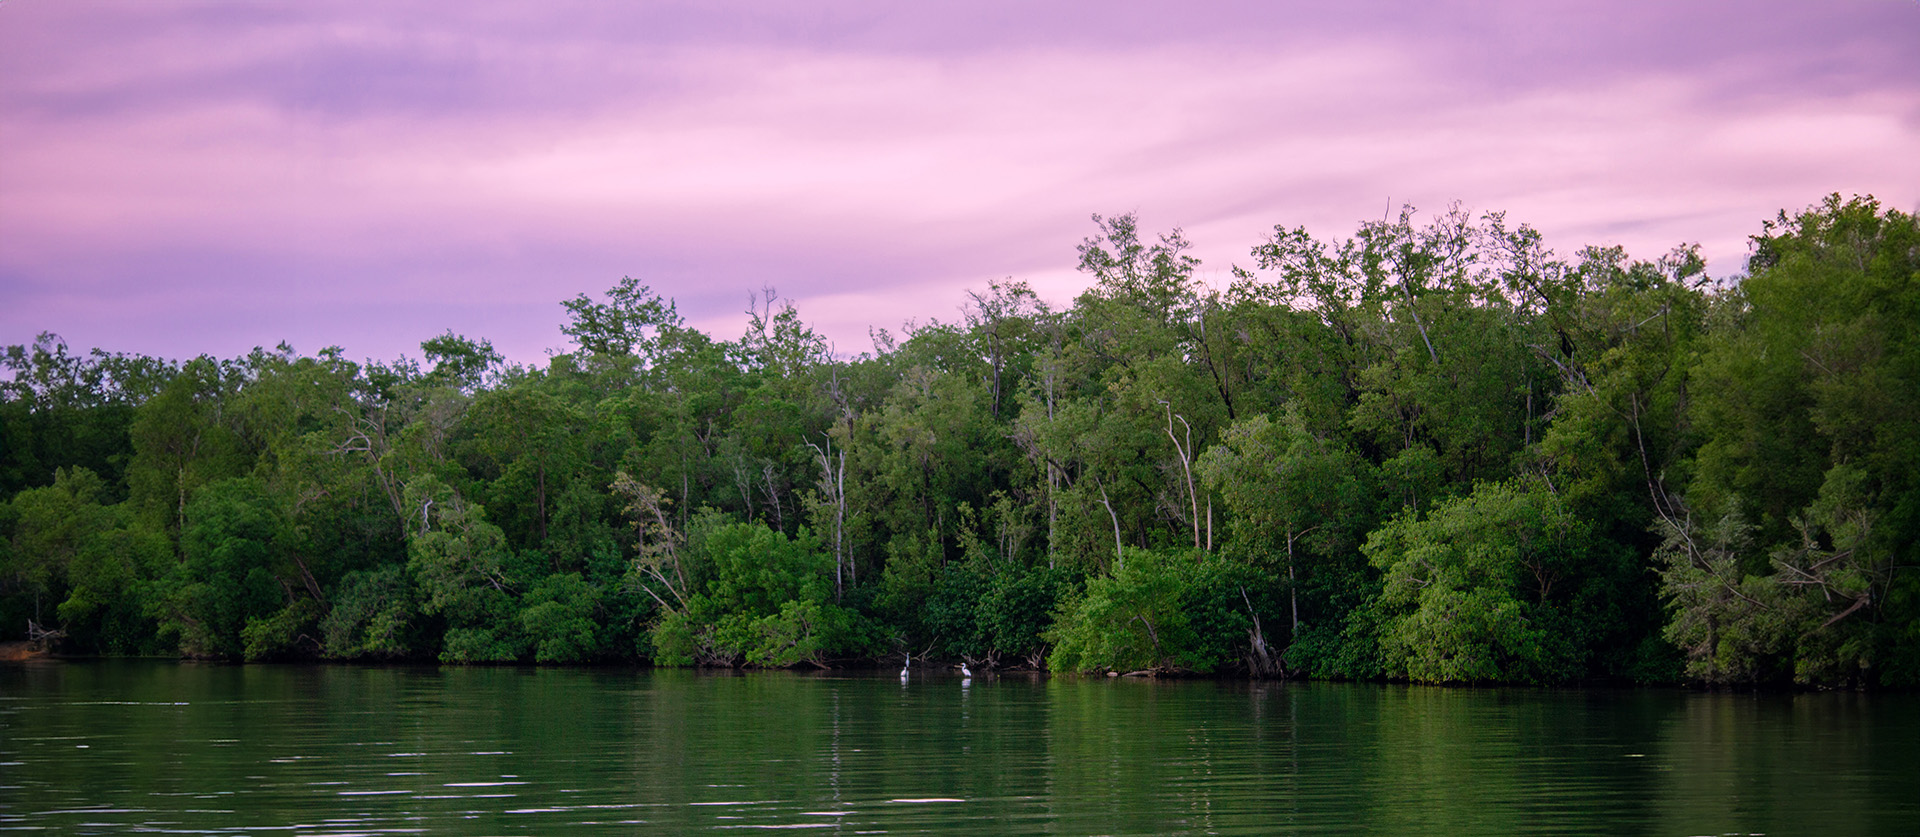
(333, 174)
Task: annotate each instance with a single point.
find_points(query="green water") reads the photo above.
(104, 748)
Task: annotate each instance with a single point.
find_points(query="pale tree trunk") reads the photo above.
(1119, 554)
(1186, 466)
(833, 483)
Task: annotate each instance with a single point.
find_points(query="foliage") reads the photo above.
(1478, 589)
(1431, 450)
(372, 616)
(1808, 409)
(1161, 611)
(763, 598)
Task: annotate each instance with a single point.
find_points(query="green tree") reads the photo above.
(373, 616)
(459, 564)
(765, 601)
(1158, 612)
(183, 438)
(235, 569)
(460, 362)
(1487, 588)
(1806, 408)
(1301, 504)
(558, 618)
(634, 321)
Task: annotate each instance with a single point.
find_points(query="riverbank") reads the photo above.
(20, 652)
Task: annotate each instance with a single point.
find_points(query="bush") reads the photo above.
(558, 618)
(763, 600)
(1162, 611)
(1477, 591)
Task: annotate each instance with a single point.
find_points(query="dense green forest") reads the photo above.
(1433, 451)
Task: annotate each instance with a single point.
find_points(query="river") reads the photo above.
(159, 747)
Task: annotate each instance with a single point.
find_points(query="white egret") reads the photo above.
(903, 668)
(964, 672)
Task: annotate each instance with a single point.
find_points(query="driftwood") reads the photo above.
(39, 644)
(43, 638)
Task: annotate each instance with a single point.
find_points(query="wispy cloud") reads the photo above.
(178, 180)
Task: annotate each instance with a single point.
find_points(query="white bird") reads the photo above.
(903, 667)
(964, 672)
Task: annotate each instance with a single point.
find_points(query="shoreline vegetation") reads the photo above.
(1435, 451)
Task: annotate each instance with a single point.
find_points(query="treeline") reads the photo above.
(1431, 451)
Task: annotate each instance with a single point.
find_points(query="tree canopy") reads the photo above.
(1435, 450)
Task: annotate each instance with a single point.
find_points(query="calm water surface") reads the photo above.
(143, 747)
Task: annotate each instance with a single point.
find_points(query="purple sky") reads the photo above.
(180, 178)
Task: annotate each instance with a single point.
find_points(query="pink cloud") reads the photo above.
(334, 175)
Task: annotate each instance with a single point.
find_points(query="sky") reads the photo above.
(185, 178)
